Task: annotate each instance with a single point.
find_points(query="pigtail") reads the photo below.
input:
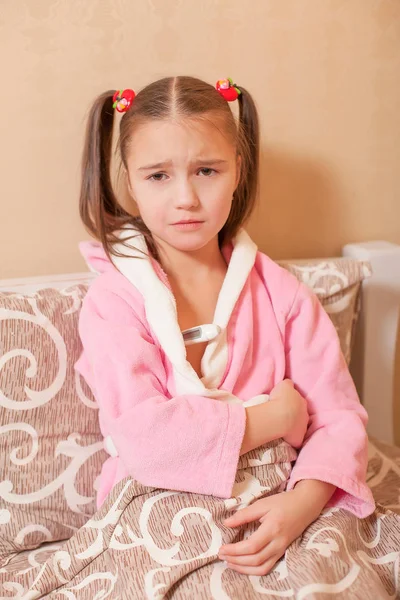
(249, 125)
(249, 149)
(98, 206)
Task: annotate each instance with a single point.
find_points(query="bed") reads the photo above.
(55, 544)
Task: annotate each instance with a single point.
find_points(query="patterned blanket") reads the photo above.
(147, 543)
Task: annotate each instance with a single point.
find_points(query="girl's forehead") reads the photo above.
(196, 134)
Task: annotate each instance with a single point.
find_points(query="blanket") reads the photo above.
(148, 543)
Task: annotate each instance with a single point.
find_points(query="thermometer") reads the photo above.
(203, 333)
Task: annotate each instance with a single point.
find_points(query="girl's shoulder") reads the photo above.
(283, 288)
(274, 275)
(112, 292)
(110, 287)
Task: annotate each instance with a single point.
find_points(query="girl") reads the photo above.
(178, 415)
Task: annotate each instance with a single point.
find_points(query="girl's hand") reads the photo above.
(283, 517)
(294, 412)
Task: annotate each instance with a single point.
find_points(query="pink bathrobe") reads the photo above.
(168, 428)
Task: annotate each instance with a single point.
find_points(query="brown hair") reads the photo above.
(99, 208)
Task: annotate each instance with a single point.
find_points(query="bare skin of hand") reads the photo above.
(283, 518)
(294, 412)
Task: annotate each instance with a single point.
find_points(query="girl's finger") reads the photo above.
(258, 540)
(260, 570)
(246, 515)
(289, 381)
(252, 560)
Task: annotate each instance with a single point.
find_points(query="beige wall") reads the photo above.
(325, 75)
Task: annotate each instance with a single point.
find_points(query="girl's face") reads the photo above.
(182, 175)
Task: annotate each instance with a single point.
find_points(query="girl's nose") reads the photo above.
(186, 196)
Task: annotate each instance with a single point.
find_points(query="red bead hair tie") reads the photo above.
(228, 90)
(123, 100)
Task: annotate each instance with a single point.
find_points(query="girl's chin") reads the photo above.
(188, 241)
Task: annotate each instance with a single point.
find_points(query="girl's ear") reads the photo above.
(238, 169)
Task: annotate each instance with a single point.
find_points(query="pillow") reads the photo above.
(337, 283)
(51, 448)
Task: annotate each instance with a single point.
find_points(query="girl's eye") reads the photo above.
(207, 172)
(157, 177)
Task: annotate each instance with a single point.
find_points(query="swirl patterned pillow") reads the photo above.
(337, 284)
(51, 448)
(50, 443)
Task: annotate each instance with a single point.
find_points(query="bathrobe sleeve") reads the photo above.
(186, 443)
(336, 444)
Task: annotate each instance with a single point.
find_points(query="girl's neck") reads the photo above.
(186, 267)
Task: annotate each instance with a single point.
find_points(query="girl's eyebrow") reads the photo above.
(168, 163)
(210, 161)
(160, 165)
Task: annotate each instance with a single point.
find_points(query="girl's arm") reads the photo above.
(264, 423)
(335, 447)
(284, 416)
(315, 495)
(187, 443)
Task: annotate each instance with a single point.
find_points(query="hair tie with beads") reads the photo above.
(228, 90)
(123, 100)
